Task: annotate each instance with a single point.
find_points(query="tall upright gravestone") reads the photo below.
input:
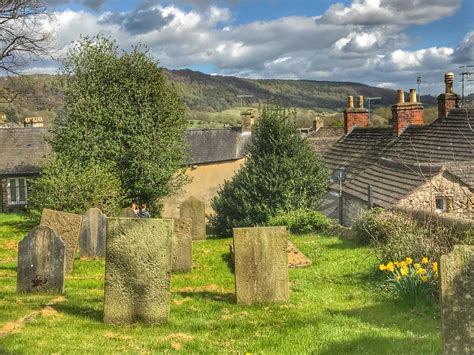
(196, 210)
(41, 262)
(457, 300)
(93, 231)
(68, 227)
(128, 212)
(261, 265)
(182, 245)
(137, 270)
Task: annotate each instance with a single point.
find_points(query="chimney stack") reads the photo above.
(318, 122)
(355, 117)
(448, 100)
(247, 121)
(33, 121)
(406, 114)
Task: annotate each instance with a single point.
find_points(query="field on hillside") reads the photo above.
(336, 306)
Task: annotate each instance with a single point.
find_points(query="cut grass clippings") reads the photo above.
(336, 306)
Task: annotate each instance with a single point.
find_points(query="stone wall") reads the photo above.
(460, 198)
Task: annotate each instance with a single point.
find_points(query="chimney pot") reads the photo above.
(350, 101)
(412, 95)
(448, 82)
(401, 96)
(360, 101)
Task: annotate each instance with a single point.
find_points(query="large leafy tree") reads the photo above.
(120, 111)
(282, 173)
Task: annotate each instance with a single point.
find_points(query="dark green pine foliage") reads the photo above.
(120, 111)
(282, 173)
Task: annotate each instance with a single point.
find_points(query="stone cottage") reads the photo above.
(22, 149)
(410, 164)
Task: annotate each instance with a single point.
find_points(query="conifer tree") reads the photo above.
(282, 173)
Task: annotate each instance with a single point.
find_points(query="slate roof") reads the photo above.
(215, 145)
(22, 150)
(324, 138)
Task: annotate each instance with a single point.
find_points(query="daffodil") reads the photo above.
(417, 265)
(424, 260)
(404, 271)
(398, 277)
(434, 266)
(390, 267)
(424, 278)
(382, 267)
(408, 260)
(421, 271)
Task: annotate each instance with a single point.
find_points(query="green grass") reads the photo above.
(336, 306)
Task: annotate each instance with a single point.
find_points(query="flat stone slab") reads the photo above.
(41, 262)
(182, 247)
(93, 232)
(196, 210)
(128, 212)
(261, 265)
(137, 270)
(457, 300)
(68, 227)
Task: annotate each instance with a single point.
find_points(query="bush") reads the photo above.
(282, 174)
(301, 221)
(396, 234)
(67, 186)
(412, 281)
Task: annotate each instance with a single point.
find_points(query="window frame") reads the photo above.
(17, 201)
(445, 204)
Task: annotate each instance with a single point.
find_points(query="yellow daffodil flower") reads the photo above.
(434, 266)
(408, 260)
(398, 277)
(424, 278)
(424, 260)
(421, 271)
(382, 267)
(390, 267)
(417, 265)
(404, 271)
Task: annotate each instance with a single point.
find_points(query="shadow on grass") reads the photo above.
(19, 227)
(213, 296)
(82, 311)
(228, 260)
(10, 267)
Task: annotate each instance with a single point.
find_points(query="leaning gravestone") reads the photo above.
(457, 300)
(196, 210)
(41, 262)
(261, 265)
(68, 227)
(182, 245)
(92, 240)
(128, 212)
(137, 270)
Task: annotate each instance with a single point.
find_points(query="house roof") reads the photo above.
(324, 138)
(22, 150)
(214, 145)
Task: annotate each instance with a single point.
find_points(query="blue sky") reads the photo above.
(379, 42)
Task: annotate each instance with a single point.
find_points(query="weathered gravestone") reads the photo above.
(261, 265)
(137, 270)
(457, 300)
(41, 262)
(68, 227)
(196, 210)
(128, 212)
(182, 246)
(92, 240)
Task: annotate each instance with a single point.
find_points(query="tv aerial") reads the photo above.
(467, 74)
(419, 80)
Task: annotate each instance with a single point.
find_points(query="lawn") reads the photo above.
(336, 306)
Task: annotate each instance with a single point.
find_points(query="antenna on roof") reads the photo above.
(242, 99)
(419, 80)
(466, 75)
(368, 102)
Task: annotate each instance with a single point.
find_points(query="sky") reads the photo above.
(386, 43)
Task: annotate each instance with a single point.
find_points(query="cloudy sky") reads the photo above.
(379, 42)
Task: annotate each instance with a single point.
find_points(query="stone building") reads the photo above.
(410, 164)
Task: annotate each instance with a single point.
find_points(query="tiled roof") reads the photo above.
(22, 150)
(214, 145)
(464, 171)
(324, 138)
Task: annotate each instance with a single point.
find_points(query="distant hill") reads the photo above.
(40, 94)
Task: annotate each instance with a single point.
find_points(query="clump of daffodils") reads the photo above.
(410, 279)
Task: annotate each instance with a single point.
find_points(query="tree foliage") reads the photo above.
(282, 173)
(69, 186)
(120, 111)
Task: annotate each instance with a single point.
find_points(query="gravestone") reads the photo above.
(261, 265)
(182, 246)
(68, 227)
(195, 209)
(137, 270)
(457, 300)
(128, 212)
(92, 240)
(41, 262)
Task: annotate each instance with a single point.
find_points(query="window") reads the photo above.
(17, 191)
(441, 204)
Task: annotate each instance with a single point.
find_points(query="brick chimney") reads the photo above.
(247, 121)
(448, 100)
(318, 122)
(33, 122)
(406, 114)
(355, 117)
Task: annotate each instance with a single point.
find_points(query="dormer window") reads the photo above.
(441, 204)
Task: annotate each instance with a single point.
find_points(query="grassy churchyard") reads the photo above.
(336, 306)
